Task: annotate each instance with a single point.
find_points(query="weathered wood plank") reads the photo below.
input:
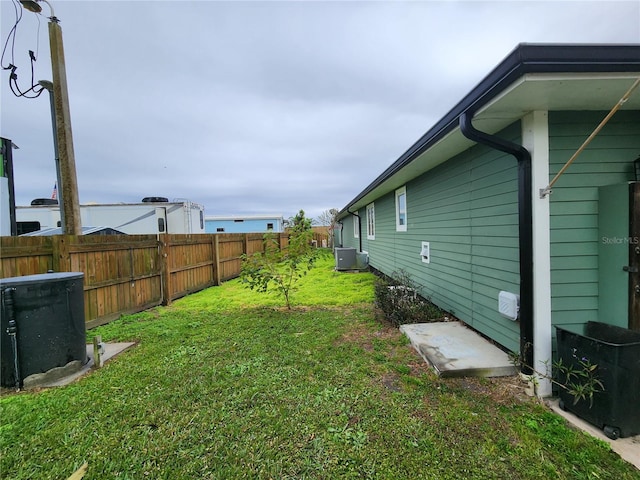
(128, 273)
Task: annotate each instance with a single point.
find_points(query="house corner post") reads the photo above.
(535, 135)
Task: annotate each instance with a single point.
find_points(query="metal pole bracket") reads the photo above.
(545, 191)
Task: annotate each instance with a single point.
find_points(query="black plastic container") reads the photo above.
(616, 352)
(50, 332)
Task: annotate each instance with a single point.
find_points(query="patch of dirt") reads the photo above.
(502, 390)
(391, 382)
(419, 367)
(513, 388)
(362, 335)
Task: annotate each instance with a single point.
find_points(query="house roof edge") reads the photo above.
(523, 59)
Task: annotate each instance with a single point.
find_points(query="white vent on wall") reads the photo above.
(425, 252)
(509, 305)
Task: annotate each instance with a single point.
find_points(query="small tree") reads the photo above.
(329, 219)
(278, 268)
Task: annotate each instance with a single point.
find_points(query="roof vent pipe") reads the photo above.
(525, 230)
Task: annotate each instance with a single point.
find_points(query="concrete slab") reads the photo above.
(57, 377)
(455, 350)
(628, 448)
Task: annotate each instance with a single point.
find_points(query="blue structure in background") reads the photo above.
(244, 224)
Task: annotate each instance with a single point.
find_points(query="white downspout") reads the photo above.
(535, 138)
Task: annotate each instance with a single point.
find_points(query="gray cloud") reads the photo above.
(255, 107)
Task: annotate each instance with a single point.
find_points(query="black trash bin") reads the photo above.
(616, 351)
(42, 325)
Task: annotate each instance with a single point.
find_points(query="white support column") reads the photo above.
(535, 137)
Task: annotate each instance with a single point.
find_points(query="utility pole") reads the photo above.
(69, 182)
(68, 186)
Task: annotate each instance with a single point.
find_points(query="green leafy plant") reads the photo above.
(397, 296)
(279, 269)
(579, 379)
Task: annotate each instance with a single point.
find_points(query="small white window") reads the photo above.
(371, 222)
(356, 226)
(401, 209)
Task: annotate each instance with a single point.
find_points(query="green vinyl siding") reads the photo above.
(574, 207)
(467, 209)
(348, 240)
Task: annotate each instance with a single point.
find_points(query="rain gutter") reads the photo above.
(525, 230)
(359, 228)
(524, 59)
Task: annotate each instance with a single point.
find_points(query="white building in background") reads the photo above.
(244, 224)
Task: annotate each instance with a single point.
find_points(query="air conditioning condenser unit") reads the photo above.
(346, 259)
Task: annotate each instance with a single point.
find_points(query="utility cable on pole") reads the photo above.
(68, 184)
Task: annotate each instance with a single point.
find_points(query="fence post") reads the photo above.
(165, 277)
(245, 244)
(98, 349)
(215, 248)
(60, 261)
(283, 236)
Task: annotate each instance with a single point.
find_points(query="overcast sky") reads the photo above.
(266, 106)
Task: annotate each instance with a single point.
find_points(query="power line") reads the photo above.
(35, 89)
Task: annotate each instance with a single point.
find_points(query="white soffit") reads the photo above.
(546, 92)
(559, 92)
(531, 92)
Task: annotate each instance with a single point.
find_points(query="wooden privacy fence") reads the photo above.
(129, 273)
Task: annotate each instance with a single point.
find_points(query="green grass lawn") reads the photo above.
(227, 384)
